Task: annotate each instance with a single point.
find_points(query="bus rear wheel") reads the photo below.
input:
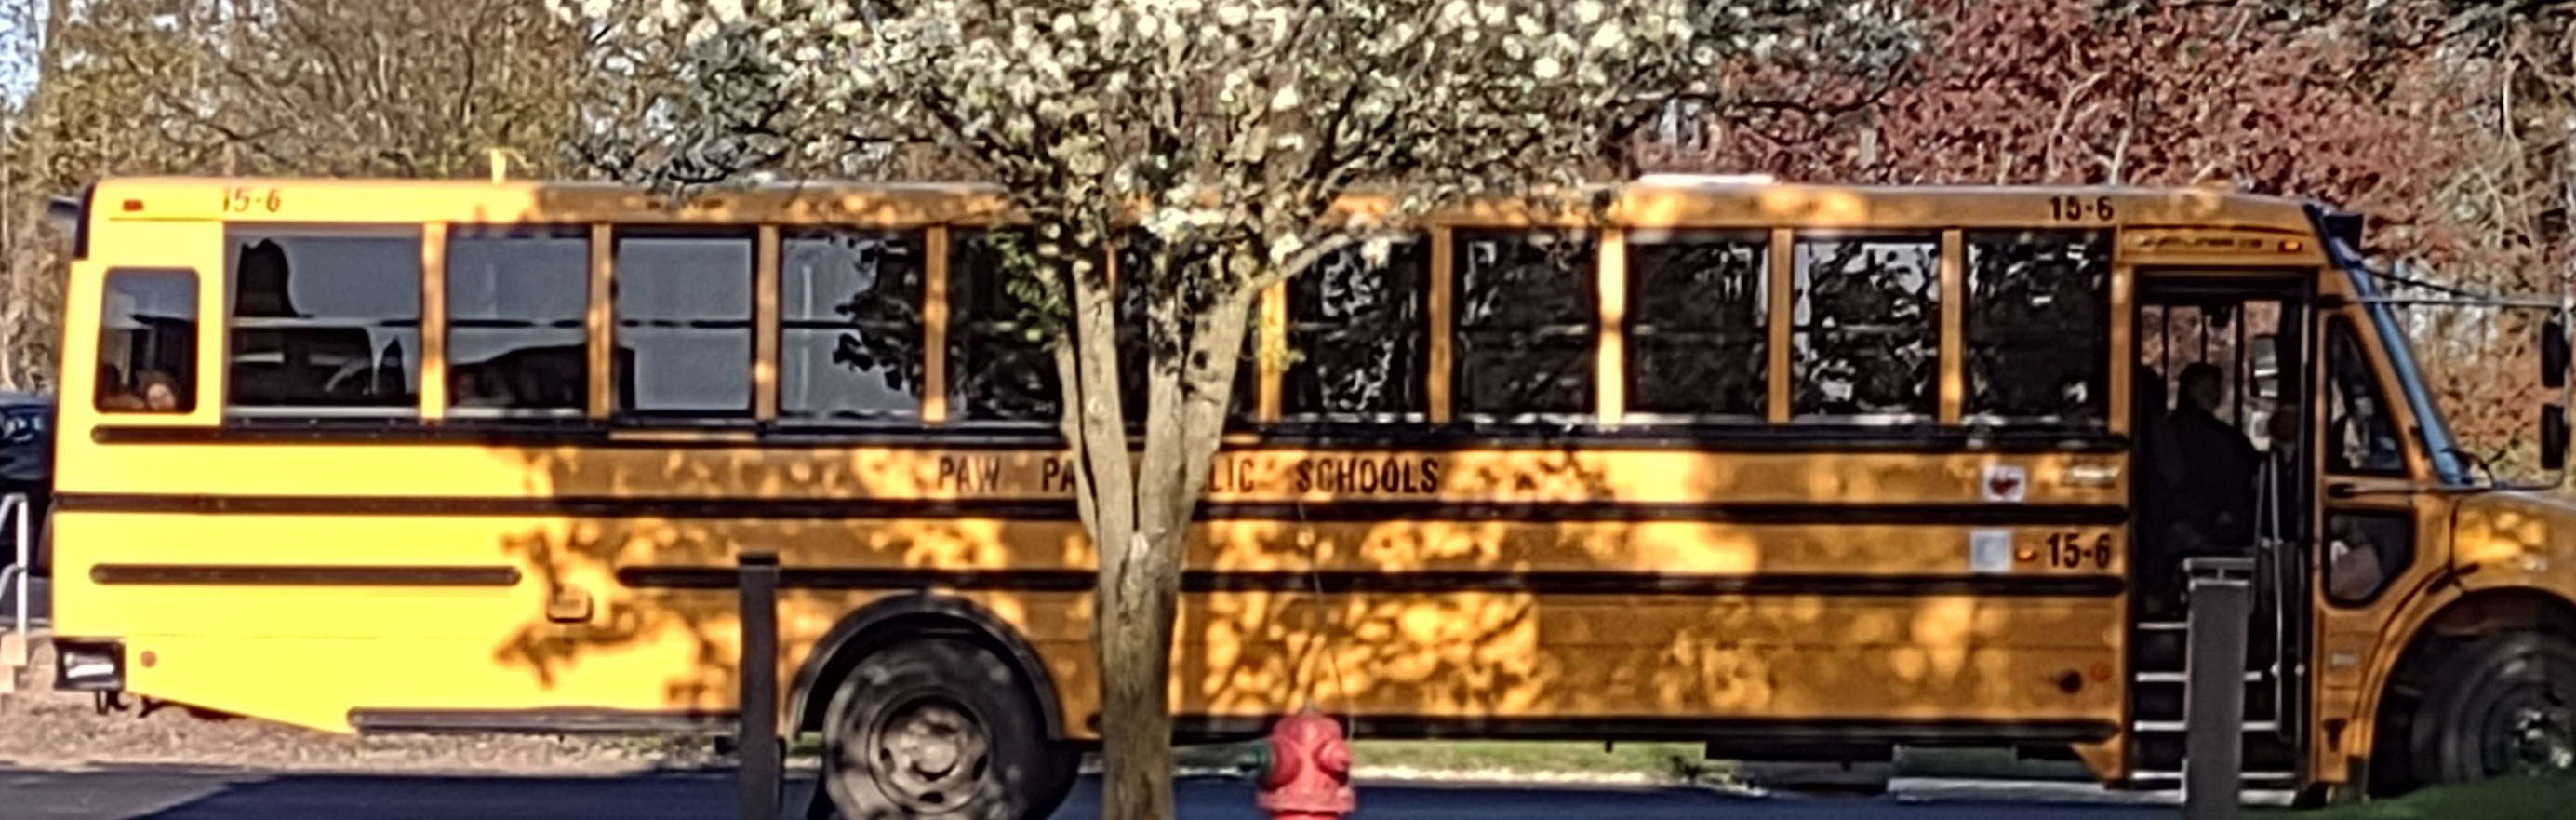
(940, 730)
(2505, 705)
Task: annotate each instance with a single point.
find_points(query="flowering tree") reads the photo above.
(1225, 130)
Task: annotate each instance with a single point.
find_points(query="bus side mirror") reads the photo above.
(2553, 352)
(2553, 436)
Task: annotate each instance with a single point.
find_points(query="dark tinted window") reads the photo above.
(2365, 549)
(1134, 345)
(683, 309)
(147, 342)
(2039, 327)
(996, 370)
(1866, 343)
(2360, 437)
(1360, 336)
(1527, 310)
(1698, 325)
(324, 323)
(516, 306)
(849, 326)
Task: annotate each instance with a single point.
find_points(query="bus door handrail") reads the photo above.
(2272, 544)
(14, 512)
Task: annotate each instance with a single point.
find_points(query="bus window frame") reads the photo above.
(782, 326)
(192, 395)
(625, 375)
(2109, 359)
(956, 328)
(1418, 244)
(227, 281)
(2424, 426)
(1760, 239)
(1941, 238)
(2340, 328)
(445, 349)
(1585, 269)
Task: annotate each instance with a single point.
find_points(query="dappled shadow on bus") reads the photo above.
(1458, 617)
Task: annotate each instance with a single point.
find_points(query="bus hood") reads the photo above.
(2513, 532)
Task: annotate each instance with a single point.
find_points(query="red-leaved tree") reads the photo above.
(2033, 91)
(2420, 114)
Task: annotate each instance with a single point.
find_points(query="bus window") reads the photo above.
(147, 342)
(683, 304)
(2360, 439)
(996, 373)
(1698, 326)
(1134, 348)
(1528, 308)
(517, 306)
(324, 324)
(1866, 338)
(2363, 549)
(1362, 338)
(2038, 327)
(849, 326)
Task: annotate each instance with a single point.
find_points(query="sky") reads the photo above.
(17, 53)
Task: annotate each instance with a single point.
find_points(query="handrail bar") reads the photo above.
(15, 511)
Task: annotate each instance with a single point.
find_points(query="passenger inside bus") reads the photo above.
(2280, 464)
(2215, 503)
(2160, 472)
(153, 391)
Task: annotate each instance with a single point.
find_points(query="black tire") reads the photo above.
(940, 730)
(2503, 705)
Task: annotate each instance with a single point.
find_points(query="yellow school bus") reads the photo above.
(1799, 471)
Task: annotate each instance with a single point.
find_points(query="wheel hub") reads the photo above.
(2543, 740)
(929, 754)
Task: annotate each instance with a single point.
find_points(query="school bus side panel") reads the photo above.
(1635, 592)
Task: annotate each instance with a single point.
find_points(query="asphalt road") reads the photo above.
(183, 794)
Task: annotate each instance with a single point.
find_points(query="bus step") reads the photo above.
(2179, 727)
(2260, 751)
(2170, 651)
(2167, 701)
(2171, 780)
(2185, 677)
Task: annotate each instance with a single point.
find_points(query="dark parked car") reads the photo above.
(27, 466)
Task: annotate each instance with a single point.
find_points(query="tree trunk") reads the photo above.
(1135, 643)
(1131, 623)
(1139, 593)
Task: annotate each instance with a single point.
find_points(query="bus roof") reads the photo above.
(1656, 202)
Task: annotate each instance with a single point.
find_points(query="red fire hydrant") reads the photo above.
(1306, 769)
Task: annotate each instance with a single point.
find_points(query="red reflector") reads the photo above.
(133, 205)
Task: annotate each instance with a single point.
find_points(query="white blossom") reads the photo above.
(1547, 68)
(1062, 101)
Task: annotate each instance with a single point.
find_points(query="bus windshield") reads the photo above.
(2433, 426)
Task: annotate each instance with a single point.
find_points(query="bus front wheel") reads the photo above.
(2505, 705)
(940, 729)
